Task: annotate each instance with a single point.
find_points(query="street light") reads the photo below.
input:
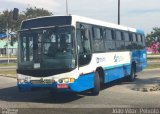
(66, 7)
(118, 12)
(7, 43)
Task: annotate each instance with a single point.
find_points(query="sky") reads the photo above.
(143, 14)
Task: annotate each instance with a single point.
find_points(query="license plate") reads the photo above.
(62, 86)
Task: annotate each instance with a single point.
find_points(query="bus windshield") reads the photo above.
(47, 48)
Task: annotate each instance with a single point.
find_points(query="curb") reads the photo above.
(9, 76)
(151, 69)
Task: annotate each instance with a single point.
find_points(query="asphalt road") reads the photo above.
(114, 95)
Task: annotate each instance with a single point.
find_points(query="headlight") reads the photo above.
(66, 80)
(60, 80)
(21, 81)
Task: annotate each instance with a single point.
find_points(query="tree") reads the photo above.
(36, 12)
(2, 25)
(153, 38)
(3, 21)
(7, 23)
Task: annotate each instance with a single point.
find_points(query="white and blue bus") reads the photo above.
(73, 53)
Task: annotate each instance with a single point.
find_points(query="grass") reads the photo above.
(8, 73)
(154, 54)
(153, 59)
(6, 64)
(153, 66)
(7, 56)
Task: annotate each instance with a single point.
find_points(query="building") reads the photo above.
(6, 48)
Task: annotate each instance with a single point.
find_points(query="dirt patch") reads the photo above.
(148, 88)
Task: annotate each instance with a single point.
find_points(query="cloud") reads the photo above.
(49, 4)
(143, 14)
(143, 11)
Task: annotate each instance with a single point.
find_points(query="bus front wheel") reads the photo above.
(96, 88)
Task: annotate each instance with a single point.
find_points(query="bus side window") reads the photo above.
(84, 47)
(134, 41)
(83, 41)
(127, 40)
(86, 41)
(109, 40)
(140, 41)
(119, 40)
(143, 41)
(98, 44)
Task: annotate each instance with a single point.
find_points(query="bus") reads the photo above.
(74, 53)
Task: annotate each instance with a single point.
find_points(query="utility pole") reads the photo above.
(118, 12)
(66, 7)
(7, 49)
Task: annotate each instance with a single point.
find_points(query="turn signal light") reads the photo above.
(72, 80)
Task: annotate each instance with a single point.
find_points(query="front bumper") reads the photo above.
(83, 83)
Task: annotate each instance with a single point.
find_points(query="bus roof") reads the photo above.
(75, 18)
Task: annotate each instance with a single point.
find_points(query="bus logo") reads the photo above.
(100, 60)
(118, 58)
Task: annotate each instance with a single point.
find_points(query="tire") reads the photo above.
(96, 88)
(131, 77)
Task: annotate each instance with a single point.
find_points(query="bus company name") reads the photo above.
(99, 60)
(118, 58)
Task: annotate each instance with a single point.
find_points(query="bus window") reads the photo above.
(96, 33)
(84, 47)
(119, 41)
(98, 40)
(143, 41)
(85, 38)
(140, 42)
(134, 41)
(127, 40)
(134, 38)
(109, 40)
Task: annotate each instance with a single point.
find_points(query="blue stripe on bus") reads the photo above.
(111, 67)
(29, 86)
(86, 81)
(139, 56)
(117, 73)
(83, 83)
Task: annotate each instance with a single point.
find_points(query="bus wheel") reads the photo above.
(131, 77)
(96, 88)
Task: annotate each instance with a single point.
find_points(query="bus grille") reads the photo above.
(41, 82)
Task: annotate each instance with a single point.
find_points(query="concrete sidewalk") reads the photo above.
(4, 58)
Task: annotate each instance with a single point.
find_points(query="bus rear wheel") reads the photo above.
(96, 88)
(131, 77)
